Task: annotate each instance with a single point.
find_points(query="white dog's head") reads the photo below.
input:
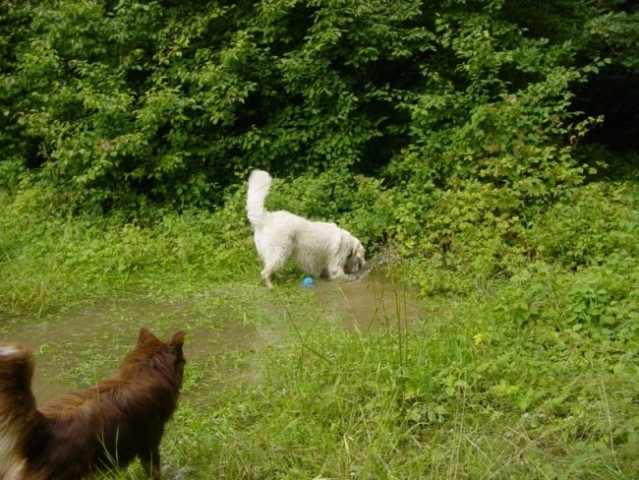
(356, 258)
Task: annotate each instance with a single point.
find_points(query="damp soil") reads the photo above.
(224, 328)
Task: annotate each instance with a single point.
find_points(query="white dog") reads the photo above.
(319, 248)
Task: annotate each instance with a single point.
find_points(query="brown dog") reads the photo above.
(100, 427)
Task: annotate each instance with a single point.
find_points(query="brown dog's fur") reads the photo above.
(106, 425)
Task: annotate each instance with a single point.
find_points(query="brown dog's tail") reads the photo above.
(16, 371)
(18, 415)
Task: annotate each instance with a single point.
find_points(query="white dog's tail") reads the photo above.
(259, 183)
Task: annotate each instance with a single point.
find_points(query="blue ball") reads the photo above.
(308, 281)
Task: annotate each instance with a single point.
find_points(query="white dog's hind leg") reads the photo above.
(274, 259)
(266, 276)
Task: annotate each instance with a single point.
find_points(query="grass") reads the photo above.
(530, 376)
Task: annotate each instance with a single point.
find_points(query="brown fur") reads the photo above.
(107, 425)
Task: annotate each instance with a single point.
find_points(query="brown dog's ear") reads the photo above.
(176, 343)
(177, 339)
(145, 336)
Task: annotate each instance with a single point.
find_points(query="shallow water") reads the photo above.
(220, 325)
(374, 302)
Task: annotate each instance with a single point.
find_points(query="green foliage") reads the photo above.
(591, 226)
(127, 104)
(486, 157)
(616, 33)
(11, 174)
(587, 273)
(601, 300)
(441, 129)
(170, 102)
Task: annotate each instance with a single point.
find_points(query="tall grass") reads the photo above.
(51, 262)
(530, 375)
(503, 407)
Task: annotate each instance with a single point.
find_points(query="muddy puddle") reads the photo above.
(374, 302)
(77, 348)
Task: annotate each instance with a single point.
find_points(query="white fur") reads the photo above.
(10, 351)
(12, 462)
(319, 248)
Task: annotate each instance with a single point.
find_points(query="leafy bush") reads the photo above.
(136, 102)
(589, 226)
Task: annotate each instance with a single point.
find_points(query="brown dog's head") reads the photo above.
(169, 355)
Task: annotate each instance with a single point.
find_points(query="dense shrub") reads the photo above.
(173, 102)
